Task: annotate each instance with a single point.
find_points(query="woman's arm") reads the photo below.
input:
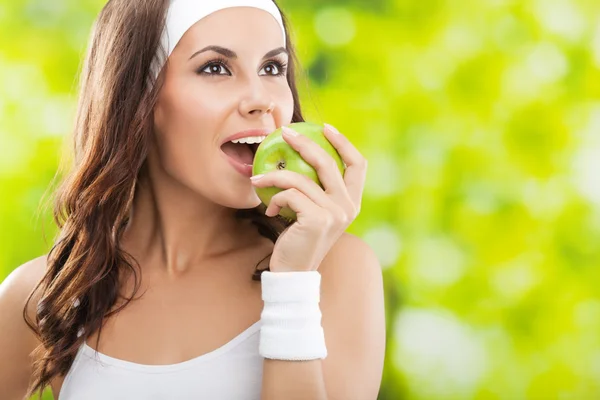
(352, 305)
(17, 341)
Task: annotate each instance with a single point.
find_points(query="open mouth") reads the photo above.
(240, 152)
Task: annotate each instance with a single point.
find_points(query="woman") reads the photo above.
(148, 292)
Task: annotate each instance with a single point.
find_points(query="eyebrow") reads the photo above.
(232, 54)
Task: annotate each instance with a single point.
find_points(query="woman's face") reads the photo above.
(220, 80)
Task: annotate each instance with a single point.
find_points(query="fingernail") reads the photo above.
(332, 129)
(256, 177)
(289, 131)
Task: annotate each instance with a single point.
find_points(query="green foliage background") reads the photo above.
(481, 123)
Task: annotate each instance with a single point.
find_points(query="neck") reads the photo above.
(175, 230)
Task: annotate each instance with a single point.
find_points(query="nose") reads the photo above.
(256, 101)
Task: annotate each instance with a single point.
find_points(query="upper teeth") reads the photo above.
(249, 139)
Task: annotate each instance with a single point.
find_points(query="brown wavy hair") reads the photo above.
(91, 207)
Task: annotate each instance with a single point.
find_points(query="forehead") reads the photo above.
(237, 28)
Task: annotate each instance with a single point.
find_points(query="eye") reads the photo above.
(274, 68)
(214, 68)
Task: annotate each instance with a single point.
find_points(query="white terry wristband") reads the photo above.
(291, 318)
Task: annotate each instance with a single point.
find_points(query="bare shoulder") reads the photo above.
(351, 255)
(15, 290)
(351, 268)
(20, 282)
(31, 271)
(17, 340)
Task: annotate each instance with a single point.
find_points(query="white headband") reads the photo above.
(182, 14)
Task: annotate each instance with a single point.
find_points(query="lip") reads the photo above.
(243, 169)
(247, 133)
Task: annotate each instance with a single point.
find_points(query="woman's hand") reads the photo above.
(322, 215)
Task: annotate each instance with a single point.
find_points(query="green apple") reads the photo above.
(274, 153)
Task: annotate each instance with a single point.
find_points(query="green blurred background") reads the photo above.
(481, 124)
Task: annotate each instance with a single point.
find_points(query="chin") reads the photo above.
(254, 202)
(247, 202)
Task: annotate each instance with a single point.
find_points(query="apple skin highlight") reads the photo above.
(274, 153)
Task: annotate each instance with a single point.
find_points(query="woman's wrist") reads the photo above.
(291, 318)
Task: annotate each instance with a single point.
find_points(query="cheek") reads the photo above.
(183, 122)
(182, 107)
(285, 103)
(184, 113)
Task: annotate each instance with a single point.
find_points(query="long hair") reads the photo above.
(91, 206)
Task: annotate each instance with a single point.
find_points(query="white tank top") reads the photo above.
(231, 372)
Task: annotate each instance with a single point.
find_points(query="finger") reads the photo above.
(285, 179)
(326, 167)
(356, 163)
(293, 199)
